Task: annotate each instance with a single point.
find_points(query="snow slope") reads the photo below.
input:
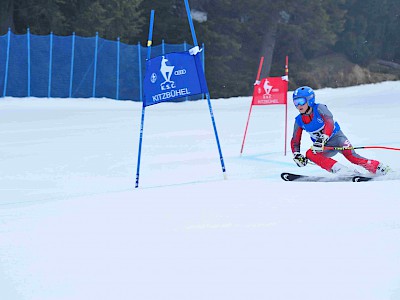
(72, 225)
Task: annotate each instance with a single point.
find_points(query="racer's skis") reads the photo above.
(305, 178)
(362, 178)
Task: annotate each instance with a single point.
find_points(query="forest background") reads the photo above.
(330, 43)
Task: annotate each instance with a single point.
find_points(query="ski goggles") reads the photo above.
(299, 101)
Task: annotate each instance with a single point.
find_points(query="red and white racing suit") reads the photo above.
(326, 125)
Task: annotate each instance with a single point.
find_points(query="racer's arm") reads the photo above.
(328, 119)
(296, 138)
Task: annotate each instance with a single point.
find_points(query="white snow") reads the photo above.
(72, 225)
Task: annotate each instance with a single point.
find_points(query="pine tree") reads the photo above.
(371, 30)
(6, 16)
(110, 18)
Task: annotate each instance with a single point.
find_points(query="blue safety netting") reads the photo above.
(75, 67)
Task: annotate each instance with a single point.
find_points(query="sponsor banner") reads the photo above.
(172, 76)
(270, 90)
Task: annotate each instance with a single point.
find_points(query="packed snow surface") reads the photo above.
(73, 226)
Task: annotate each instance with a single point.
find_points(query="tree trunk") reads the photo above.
(267, 48)
(6, 16)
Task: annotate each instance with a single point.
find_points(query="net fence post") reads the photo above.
(95, 65)
(50, 65)
(72, 65)
(7, 62)
(118, 61)
(28, 40)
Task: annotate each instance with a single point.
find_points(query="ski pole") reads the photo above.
(363, 147)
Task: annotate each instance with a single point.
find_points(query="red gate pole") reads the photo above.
(286, 105)
(251, 105)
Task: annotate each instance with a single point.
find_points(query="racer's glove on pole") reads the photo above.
(319, 143)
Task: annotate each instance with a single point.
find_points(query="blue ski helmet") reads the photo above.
(304, 93)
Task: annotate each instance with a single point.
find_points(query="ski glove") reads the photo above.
(299, 159)
(319, 143)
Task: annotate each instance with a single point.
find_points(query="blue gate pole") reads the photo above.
(140, 71)
(50, 65)
(72, 65)
(203, 56)
(118, 53)
(149, 42)
(7, 62)
(163, 46)
(207, 94)
(184, 49)
(95, 65)
(28, 38)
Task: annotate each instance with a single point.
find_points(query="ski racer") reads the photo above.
(318, 121)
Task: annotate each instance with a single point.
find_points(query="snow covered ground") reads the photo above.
(72, 225)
